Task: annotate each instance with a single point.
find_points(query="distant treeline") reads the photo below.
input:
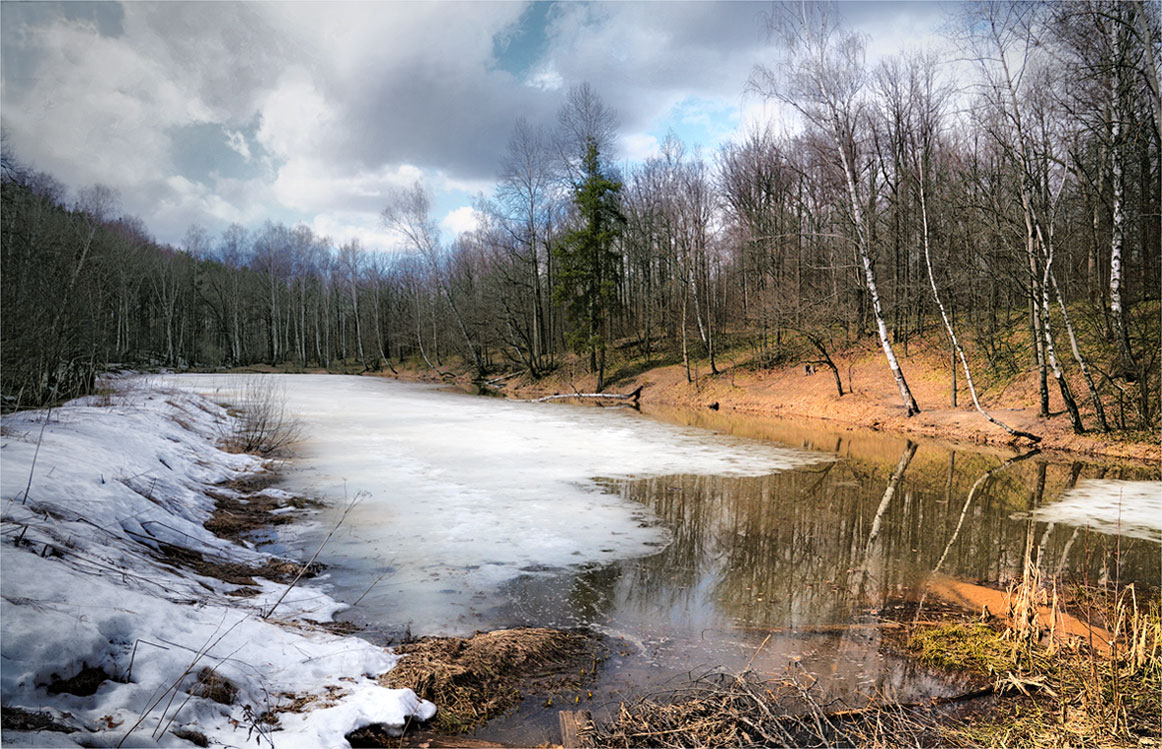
(1027, 198)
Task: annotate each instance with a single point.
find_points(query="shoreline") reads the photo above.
(241, 501)
(134, 605)
(787, 394)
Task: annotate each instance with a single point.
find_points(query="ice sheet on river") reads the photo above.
(464, 493)
(1132, 508)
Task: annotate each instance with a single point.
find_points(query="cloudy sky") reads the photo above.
(213, 113)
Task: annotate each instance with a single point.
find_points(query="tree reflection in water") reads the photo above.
(812, 556)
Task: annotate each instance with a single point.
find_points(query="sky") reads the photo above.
(214, 113)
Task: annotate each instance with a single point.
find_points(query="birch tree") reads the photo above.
(823, 79)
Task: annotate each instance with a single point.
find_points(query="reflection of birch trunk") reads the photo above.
(964, 513)
(885, 502)
(889, 492)
(971, 496)
(1024, 600)
(1074, 474)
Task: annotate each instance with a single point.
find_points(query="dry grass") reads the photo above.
(474, 679)
(1041, 690)
(19, 719)
(262, 425)
(1062, 692)
(84, 683)
(742, 710)
(235, 517)
(236, 573)
(213, 686)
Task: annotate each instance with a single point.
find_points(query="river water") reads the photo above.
(692, 539)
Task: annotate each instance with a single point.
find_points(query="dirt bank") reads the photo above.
(870, 399)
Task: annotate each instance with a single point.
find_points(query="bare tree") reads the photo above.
(823, 79)
(523, 197)
(582, 120)
(408, 212)
(1003, 42)
(922, 134)
(351, 264)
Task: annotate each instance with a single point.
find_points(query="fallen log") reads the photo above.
(502, 378)
(572, 723)
(633, 397)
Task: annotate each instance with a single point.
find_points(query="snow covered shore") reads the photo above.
(109, 640)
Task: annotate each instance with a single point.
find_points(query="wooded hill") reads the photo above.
(1028, 196)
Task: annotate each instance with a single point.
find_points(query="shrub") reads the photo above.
(261, 423)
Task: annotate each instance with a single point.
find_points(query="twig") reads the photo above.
(369, 587)
(133, 655)
(756, 652)
(36, 452)
(305, 567)
(174, 685)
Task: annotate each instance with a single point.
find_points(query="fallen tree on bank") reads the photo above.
(633, 399)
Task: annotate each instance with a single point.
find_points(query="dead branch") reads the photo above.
(633, 397)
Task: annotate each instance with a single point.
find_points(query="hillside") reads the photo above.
(788, 392)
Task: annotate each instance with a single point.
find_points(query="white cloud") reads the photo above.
(547, 79)
(345, 226)
(311, 185)
(460, 221)
(296, 117)
(237, 142)
(639, 146)
(100, 112)
(450, 183)
(325, 105)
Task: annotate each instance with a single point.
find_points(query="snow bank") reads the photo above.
(87, 589)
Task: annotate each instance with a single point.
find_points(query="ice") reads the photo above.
(1130, 508)
(83, 588)
(463, 493)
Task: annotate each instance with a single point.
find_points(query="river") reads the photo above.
(686, 537)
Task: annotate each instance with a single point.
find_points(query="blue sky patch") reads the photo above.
(518, 48)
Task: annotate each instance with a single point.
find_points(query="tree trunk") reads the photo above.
(1094, 397)
(858, 219)
(948, 324)
(1051, 352)
(1124, 364)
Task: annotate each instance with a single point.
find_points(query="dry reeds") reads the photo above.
(474, 679)
(1100, 686)
(741, 710)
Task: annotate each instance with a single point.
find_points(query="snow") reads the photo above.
(1129, 508)
(462, 494)
(114, 480)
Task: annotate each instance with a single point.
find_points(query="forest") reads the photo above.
(1014, 213)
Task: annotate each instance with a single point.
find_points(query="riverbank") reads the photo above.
(136, 612)
(871, 399)
(187, 533)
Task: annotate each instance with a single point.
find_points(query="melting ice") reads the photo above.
(1131, 508)
(461, 494)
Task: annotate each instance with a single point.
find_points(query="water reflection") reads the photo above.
(813, 556)
(823, 545)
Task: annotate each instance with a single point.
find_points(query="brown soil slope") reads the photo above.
(789, 393)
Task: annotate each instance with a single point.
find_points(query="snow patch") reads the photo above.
(116, 480)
